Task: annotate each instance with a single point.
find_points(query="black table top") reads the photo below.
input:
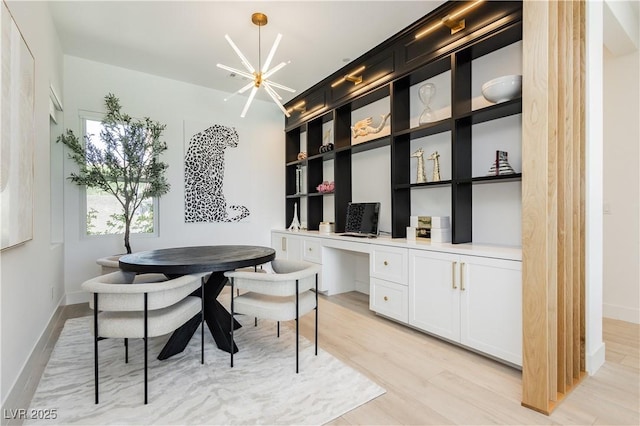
(191, 260)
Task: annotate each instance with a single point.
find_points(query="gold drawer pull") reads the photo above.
(385, 263)
(385, 298)
(310, 249)
(453, 275)
(462, 276)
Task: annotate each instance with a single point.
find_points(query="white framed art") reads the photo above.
(17, 134)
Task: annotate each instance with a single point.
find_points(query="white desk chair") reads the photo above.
(283, 295)
(148, 305)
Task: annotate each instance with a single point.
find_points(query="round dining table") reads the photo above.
(178, 261)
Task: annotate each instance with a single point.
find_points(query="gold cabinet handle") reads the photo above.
(385, 298)
(310, 249)
(453, 275)
(385, 263)
(284, 243)
(462, 276)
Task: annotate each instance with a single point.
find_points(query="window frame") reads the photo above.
(85, 116)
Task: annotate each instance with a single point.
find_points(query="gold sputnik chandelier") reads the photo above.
(259, 77)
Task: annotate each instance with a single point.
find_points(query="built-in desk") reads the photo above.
(469, 294)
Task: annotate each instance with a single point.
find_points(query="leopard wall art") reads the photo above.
(204, 163)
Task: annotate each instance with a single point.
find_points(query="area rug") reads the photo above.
(261, 388)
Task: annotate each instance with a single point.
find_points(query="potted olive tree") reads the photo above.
(123, 164)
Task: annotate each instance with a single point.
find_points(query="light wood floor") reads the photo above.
(430, 382)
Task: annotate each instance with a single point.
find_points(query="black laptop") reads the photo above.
(362, 220)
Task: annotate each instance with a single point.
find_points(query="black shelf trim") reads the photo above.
(493, 112)
(428, 129)
(324, 156)
(503, 178)
(319, 194)
(423, 185)
(372, 144)
(295, 163)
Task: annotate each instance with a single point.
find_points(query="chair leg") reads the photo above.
(231, 323)
(145, 348)
(95, 341)
(297, 326)
(126, 350)
(202, 321)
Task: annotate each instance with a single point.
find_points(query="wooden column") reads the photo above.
(552, 201)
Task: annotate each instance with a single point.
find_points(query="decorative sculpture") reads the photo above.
(435, 157)
(326, 138)
(501, 165)
(364, 128)
(327, 145)
(295, 223)
(422, 177)
(299, 179)
(426, 92)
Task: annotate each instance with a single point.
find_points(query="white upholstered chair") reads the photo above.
(288, 293)
(126, 306)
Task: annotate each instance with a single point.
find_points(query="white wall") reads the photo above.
(621, 290)
(595, 347)
(257, 163)
(31, 274)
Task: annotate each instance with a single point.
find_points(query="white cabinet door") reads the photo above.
(491, 306)
(286, 246)
(434, 294)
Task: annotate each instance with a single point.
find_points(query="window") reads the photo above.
(103, 211)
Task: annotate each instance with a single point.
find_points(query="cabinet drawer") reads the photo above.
(312, 250)
(389, 299)
(389, 263)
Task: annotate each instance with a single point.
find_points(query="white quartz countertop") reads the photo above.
(471, 249)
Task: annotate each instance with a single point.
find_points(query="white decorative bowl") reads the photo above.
(503, 88)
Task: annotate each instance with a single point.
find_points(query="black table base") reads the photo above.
(215, 315)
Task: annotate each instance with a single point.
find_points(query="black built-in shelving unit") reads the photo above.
(391, 69)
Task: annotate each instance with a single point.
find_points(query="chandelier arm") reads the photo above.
(243, 59)
(272, 52)
(280, 86)
(270, 89)
(272, 93)
(247, 87)
(246, 106)
(274, 70)
(237, 71)
(242, 90)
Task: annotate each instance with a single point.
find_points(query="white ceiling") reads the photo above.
(183, 40)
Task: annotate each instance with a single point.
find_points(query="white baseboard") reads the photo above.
(25, 379)
(621, 313)
(595, 360)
